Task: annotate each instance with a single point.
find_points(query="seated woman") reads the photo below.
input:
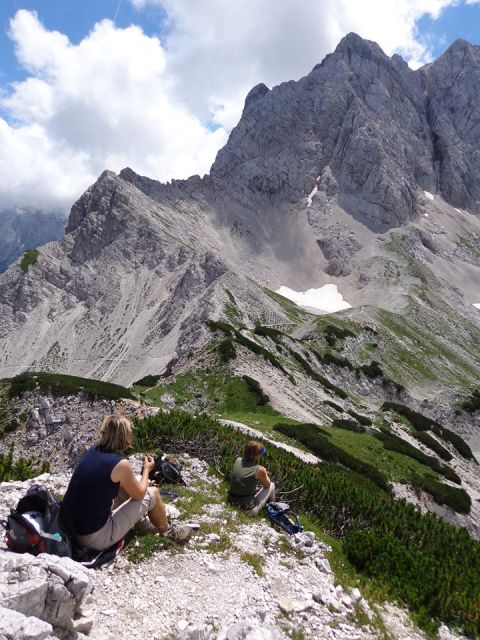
(104, 499)
(246, 473)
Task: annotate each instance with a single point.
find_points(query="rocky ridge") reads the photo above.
(309, 190)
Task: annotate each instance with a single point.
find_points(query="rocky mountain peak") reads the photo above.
(353, 44)
(254, 94)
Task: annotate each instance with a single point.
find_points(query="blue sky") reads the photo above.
(462, 21)
(75, 18)
(157, 85)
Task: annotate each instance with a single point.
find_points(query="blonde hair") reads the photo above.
(116, 433)
(252, 450)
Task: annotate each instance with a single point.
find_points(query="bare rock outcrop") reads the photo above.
(42, 595)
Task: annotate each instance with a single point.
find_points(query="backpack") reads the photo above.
(166, 471)
(39, 525)
(279, 513)
(34, 526)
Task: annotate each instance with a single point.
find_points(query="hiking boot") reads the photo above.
(180, 533)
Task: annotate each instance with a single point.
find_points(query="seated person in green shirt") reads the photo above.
(246, 474)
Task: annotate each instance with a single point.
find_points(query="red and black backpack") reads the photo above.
(34, 525)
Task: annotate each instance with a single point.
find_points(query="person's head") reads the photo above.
(116, 433)
(253, 450)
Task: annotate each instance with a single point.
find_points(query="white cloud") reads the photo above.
(104, 103)
(218, 50)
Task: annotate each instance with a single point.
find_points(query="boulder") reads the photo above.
(17, 626)
(45, 587)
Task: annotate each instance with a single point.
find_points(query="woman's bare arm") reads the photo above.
(123, 473)
(262, 476)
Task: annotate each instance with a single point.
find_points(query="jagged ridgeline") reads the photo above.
(429, 565)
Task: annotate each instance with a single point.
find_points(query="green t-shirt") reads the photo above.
(244, 484)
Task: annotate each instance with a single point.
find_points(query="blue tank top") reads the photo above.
(89, 497)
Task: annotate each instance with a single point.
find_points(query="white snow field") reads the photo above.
(326, 299)
(476, 304)
(429, 195)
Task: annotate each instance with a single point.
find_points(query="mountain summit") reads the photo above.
(364, 174)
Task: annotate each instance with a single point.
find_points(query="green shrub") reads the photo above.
(311, 436)
(422, 423)
(227, 351)
(21, 468)
(363, 420)
(329, 358)
(269, 332)
(457, 499)
(394, 443)
(317, 376)
(348, 425)
(257, 390)
(455, 440)
(420, 560)
(252, 346)
(147, 381)
(432, 444)
(334, 405)
(30, 258)
(11, 426)
(258, 349)
(472, 403)
(372, 370)
(332, 333)
(58, 384)
(224, 327)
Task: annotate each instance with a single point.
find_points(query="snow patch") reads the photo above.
(426, 215)
(457, 209)
(429, 195)
(477, 305)
(312, 193)
(310, 196)
(327, 298)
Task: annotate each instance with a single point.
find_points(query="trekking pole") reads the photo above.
(285, 493)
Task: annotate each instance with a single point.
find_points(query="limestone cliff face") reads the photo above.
(381, 129)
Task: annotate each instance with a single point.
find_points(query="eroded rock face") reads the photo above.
(44, 592)
(383, 131)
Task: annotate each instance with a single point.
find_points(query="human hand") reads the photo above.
(148, 463)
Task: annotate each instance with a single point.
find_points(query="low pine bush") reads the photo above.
(147, 381)
(334, 405)
(426, 439)
(269, 332)
(227, 350)
(422, 423)
(424, 562)
(311, 436)
(317, 376)
(472, 403)
(257, 390)
(363, 420)
(372, 370)
(30, 258)
(60, 385)
(394, 443)
(457, 499)
(349, 425)
(21, 468)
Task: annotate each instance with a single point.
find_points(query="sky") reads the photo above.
(157, 85)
